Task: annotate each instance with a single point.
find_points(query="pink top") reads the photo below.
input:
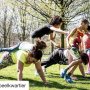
(86, 40)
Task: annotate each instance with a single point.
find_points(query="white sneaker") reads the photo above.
(4, 55)
(61, 70)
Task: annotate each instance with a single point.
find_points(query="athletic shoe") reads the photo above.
(63, 73)
(68, 79)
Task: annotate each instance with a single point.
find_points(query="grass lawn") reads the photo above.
(55, 82)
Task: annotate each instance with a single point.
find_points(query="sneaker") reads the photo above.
(4, 56)
(63, 73)
(68, 79)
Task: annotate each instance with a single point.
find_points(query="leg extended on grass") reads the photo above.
(48, 63)
(10, 49)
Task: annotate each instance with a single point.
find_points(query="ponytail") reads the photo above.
(40, 45)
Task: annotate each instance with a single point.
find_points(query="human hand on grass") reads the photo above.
(46, 83)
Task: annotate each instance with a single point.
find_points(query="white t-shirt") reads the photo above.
(26, 46)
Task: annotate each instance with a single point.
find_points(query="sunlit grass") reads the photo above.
(55, 82)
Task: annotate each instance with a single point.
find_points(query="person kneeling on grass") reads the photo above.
(26, 58)
(61, 56)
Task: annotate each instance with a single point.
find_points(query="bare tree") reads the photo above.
(42, 10)
(6, 26)
(67, 9)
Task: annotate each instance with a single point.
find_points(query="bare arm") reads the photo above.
(20, 70)
(68, 44)
(40, 71)
(58, 30)
(53, 42)
(69, 36)
(72, 32)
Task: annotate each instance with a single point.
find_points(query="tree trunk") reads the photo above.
(63, 26)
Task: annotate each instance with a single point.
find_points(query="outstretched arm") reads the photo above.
(69, 36)
(58, 30)
(72, 32)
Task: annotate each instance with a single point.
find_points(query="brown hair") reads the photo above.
(84, 58)
(40, 44)
(37, 54)
(85, 21)
(56, 20)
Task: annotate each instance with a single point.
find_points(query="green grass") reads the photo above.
(55, 82)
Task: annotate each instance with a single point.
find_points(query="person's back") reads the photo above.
(41, 32)
(26, 46)
(20, 55)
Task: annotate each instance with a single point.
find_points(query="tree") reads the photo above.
(67, 9)
(42, 10)
(6, 25)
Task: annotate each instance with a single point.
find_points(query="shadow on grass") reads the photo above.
(33, 83)
(8, 78)
(80, 78)
(83, 78)
(52, 75)
(52, 84)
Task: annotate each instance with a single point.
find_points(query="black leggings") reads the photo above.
(48, 63)
(56, 57)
